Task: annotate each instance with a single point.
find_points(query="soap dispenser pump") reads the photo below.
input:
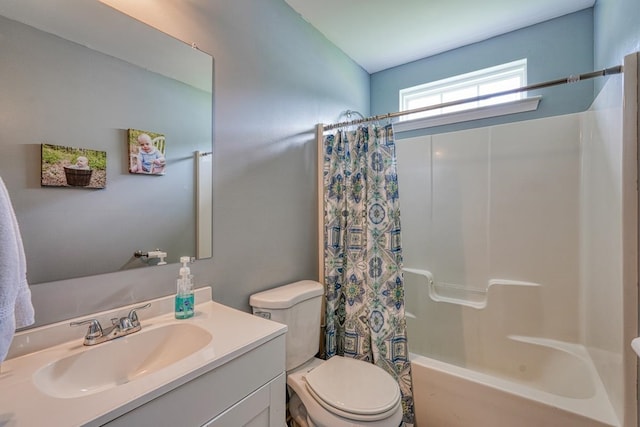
(184, 295)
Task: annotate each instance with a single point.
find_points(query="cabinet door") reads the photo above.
(262, 408)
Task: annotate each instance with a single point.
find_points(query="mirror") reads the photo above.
(77, 73)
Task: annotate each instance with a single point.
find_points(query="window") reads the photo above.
(489, 80)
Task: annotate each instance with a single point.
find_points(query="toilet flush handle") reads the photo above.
(263, 314)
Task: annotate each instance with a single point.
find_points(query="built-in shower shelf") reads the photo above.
(461, 294)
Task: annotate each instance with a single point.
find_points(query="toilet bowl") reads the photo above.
(338, 392)
(344, 392)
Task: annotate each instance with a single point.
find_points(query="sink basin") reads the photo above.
(120, 361)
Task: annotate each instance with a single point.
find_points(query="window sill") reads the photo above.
(519, 106)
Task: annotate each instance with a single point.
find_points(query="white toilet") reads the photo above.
(338, 392)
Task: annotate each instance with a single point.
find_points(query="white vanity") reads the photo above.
(223, 367)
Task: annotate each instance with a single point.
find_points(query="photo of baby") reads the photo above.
(146, 152)
(64, 166)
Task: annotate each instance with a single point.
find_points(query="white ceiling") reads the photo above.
(379, 34)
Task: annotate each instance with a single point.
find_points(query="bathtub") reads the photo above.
(480, 359)
(556, 385)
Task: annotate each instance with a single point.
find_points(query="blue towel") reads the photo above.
(16, 309)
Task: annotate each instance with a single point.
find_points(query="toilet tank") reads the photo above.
(298, 306)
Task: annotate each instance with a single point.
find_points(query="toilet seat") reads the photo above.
(321, 416)
(353, 389)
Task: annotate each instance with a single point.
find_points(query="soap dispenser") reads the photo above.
(184, 295)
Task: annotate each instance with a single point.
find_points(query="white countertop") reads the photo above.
(22, 404)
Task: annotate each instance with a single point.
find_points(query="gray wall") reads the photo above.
(275, 77)
(554, 49)
(616, 32)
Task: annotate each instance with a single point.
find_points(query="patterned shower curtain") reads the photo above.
(365, 316)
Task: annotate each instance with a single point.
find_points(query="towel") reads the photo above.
(16, 309)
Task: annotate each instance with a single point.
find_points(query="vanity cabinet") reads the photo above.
(221, 368)
(248, 390)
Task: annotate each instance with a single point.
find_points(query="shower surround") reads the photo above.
(520, 255)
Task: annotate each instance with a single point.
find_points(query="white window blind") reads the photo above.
(503, 77)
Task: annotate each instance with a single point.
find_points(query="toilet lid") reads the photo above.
(353, 386)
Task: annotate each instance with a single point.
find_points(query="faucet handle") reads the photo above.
(133, 314)
(94, 331)
(124, 323)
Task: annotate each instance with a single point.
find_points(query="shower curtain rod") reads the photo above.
(571, 79)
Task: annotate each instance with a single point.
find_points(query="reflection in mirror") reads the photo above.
(204, 203)
(58, 91)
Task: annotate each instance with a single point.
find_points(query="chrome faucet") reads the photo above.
(119, 327)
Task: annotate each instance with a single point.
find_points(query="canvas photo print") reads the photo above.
(146, 152)
(63, 166)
